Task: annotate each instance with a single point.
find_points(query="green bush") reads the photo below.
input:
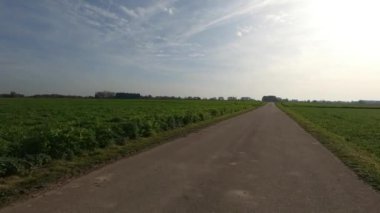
(12, 166)
(146, 128)
(104, 135)
(130, 129)
(213, 112)
(7, 167)
(171, 122)
(34, 143)
(63, 143)
(4, 147)
(38, 159)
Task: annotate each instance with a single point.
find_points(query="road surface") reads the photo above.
(261, 161)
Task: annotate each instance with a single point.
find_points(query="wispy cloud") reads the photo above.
(196, 55)
(169, 10)
(149, 11)
(241, 31)
(129, 12)
(173, 47)
(241, 10)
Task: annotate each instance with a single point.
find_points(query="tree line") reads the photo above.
(121, 95)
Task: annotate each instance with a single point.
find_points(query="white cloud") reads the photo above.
(96, 11)
(196, 55)
(129, 12)
(162, 55)
(241, 31)
(278, 18)
(169, 10)
(140, 44)
(149, 11)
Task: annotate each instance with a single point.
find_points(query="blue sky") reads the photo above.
(291, 48)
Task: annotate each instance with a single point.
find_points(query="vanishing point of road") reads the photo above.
(260, 161)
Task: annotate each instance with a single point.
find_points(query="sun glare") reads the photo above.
(348, 24)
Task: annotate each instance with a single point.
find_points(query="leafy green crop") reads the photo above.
(352, 132)
(359, 126)
(36, 131)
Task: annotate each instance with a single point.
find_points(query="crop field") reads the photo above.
(351, 131)
(34, 132)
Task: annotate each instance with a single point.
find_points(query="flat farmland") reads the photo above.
(42, 140)
(35, 131)
(259, 161)
(350, 131)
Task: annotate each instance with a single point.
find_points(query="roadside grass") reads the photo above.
(57, 172)
(352, 137)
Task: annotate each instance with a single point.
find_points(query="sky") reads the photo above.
(302, 49)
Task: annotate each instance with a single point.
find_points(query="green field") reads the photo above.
(34, 132)
(350, 131)
(45, 141)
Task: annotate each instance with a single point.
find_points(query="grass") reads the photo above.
(351, 132)
(31, 117)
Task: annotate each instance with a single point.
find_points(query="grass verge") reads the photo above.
(61, 171)
(365, 165)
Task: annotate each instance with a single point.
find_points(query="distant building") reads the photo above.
(193, 98)
(123, 95)
(245, 98)
(105, 94)
(232, 98)
(368, 102)
(221, 98)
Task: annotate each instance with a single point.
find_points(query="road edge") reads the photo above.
(359, 161)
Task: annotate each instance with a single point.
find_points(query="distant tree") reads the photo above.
(55, 96)
(123, 95)
(221, 98)
(270, 98)
(147, 97)
(232, 98)
(12, 94)
(167, 97)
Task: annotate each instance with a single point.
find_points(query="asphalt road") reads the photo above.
(261, 161)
